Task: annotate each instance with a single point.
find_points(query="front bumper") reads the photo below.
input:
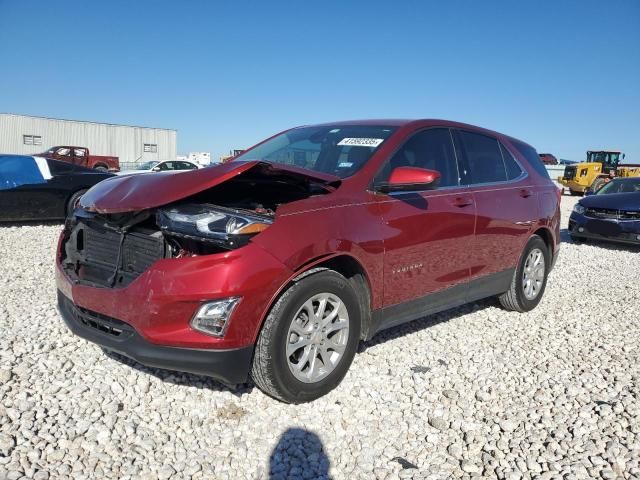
(229, 366)
(605, 230)
(160, 303)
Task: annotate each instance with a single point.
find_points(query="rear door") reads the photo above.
(427, 235)
(506, 203)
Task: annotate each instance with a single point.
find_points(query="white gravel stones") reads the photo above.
(472, 392)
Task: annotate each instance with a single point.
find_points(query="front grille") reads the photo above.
(103, 257)
(611, 214)
(627, 215)
(569, 172)
(96, 321)
(105, 324)
(601, 213)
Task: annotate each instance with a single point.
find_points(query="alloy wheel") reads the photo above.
(533, 274)
(317, 337)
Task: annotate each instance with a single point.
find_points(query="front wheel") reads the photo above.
(101, 168)
(529, 279)
(309, 339)
(71, 204)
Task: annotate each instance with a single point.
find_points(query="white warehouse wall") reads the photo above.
(126, 142)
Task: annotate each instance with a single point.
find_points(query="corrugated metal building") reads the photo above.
(24, 134)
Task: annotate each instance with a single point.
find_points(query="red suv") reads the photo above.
(276, 264)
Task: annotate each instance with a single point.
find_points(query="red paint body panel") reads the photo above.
(408, 246)
(130, 193)
(161, 302)
(427, 240)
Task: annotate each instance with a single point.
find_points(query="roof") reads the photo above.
(401, 122)
(84, 121)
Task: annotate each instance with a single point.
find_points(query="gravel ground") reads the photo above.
(471, 392)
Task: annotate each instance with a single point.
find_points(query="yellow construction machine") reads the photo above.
(579, 177)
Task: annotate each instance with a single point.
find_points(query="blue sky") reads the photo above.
(561, 75)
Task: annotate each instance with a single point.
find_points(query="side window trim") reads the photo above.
(407, 139)
(523, 171)
(524, 174)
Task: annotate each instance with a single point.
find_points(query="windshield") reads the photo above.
(609, 158)
(621, 186)
(147, 165)
(338, 150)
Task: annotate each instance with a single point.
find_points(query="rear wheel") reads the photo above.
(71, 204)
(309, 339)
(597, 184)
(101, 168)
(575, 193)
(529, 279)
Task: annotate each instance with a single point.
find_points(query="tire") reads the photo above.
(101, 168)
(576, 239)
(517, 298)
(574, 193)
(273, 366)
(71, 204)
(597, 184)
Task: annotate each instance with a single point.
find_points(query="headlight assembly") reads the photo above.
(579, 209)
(231, 228)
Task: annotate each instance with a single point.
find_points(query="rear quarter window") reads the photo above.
(513, 169)
(530, 154)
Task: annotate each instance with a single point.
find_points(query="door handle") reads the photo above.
(462, 202)
(525, 193)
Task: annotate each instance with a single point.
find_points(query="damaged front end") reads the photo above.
(107, 244)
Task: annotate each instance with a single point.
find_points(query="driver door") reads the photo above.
(427, 235)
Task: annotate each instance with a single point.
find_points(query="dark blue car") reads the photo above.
(612, 214)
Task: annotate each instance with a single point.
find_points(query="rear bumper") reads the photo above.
(229, 366)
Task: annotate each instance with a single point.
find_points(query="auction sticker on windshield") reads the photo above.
(360, 142)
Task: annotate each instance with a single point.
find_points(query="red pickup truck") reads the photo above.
(81, 156)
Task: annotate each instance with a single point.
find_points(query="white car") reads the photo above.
(165, 166)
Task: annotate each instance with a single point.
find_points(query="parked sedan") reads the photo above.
(36, 188)
(166, 166)
(612, 214)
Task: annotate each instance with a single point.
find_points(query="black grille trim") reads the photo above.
(611, 214)
(96, 321)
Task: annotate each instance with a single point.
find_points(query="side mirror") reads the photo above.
(588, 192)
(155, 169)
(623, 155)
(408, 179)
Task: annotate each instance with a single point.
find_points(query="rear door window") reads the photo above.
(484, 158)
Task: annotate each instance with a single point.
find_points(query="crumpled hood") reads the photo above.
(613, 201)
(130, 193)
